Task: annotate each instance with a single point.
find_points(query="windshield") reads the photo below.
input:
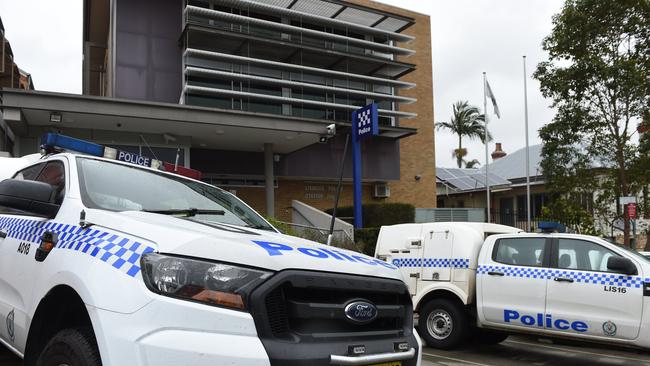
(118, 187)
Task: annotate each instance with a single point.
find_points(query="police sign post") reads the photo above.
(365, 123)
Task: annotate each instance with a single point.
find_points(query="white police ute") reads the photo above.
(484, 281)
(108, 263)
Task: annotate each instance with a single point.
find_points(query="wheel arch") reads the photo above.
(62, 307)
(441, 291)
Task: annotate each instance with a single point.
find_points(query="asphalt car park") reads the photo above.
(514, 351)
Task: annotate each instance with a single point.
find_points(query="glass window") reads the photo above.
(520, 251)
(54, 175)
(583, 255)
(29, 173)
(117, 187)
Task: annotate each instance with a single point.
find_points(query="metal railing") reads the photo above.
(513, 219)
(341, 238)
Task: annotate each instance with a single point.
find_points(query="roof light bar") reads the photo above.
(53, 142)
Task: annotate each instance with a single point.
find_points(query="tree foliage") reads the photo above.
(598, 76)
(466, 121)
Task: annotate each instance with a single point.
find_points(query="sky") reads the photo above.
(468, 38)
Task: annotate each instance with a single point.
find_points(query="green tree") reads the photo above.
(466, 121)
(598, 76)
(472, 164)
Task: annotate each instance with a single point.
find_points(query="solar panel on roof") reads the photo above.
(462, 183)
(444, 174)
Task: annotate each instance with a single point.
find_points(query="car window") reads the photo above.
(29, 173)
(54, 174)
(583, 255)
(520, 251)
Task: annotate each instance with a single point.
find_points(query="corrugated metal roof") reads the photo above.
(513, 165)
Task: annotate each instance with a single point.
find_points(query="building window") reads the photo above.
(537, 200)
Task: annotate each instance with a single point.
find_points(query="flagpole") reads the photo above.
(485, 114)
(527, 151)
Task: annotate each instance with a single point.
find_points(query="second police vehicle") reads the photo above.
(487, 281)
(108, 263)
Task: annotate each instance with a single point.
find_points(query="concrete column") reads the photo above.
(268, 175)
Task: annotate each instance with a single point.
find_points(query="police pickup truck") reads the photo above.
(108, 263)
(486, 281)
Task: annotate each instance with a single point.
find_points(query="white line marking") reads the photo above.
(455, 359)
(579, 351)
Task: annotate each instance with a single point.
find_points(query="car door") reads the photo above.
(18, 267)
(437, 261)
(511, 284)
(582, 289)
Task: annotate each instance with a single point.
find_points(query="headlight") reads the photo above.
(211, 283)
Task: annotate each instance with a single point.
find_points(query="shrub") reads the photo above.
(380, 214)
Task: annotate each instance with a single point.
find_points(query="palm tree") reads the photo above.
(472, 164)
(467, 121)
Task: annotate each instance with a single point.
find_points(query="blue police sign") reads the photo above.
(365, 122)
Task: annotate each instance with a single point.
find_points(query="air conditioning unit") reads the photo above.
(382, 190)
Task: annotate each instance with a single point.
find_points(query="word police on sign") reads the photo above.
(365, 122)
(133, 158)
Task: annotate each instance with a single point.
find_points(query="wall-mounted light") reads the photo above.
(56, 117)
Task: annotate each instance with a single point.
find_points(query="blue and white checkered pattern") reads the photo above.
(121, 253)
(595, 278)
(432, 262)
(364, 118)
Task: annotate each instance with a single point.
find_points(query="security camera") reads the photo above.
(418, 177)
(331, 129)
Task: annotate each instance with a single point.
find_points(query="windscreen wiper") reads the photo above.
(187, 212)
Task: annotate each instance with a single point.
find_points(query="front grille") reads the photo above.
(302, 306)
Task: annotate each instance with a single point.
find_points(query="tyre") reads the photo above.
(71, 347)
(488, 337)
(443, 324)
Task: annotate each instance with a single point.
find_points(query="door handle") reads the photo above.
(492, 273)
(563, 279)
(3, 235)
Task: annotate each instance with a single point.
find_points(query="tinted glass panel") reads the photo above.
(583, 255)
(521, 251)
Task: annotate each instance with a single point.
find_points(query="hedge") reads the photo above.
(376, 215)
(379, 214)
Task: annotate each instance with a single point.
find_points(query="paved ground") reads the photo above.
(514, 351)
(517, 351)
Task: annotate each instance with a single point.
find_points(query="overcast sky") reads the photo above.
(468, 36)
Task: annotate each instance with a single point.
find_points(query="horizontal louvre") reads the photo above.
(213, 14)
(294, 14)
(191, 52)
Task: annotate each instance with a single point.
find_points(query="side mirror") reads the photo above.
(28, 196)
(621, 265)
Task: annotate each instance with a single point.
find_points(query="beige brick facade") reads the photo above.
(417, 153)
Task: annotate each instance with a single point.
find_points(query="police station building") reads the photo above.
(247, 92)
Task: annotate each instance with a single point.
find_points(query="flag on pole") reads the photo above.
(490, 95)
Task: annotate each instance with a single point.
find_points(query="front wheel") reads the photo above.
(71, 347)
(443, 324)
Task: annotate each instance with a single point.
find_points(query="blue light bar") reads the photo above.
(53, 141)
(551, 227)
